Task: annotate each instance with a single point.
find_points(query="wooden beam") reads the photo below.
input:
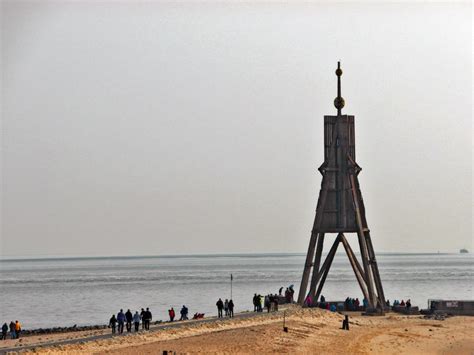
(363, 245)
(355, 266)
(307, 268)
(326, 262)
(317, 262)
(375, 271)
(327, 265)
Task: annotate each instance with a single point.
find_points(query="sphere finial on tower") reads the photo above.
(339, 101)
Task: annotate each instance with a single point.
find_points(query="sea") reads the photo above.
(53, 292)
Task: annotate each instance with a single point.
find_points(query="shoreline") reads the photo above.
(93, 333)
(310, 330)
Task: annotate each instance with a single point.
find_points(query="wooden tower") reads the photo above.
(340, 210)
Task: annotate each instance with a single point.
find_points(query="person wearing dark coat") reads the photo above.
(142, 316)
(147, 319)
(231, 308)
(220, 307)
(129, 319)
(184, 313)
(4, 331)
(121, 321)
(113, 323)
(12, 330)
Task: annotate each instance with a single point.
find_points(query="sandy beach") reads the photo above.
(309, 331)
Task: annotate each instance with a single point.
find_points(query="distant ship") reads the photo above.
(464, 251)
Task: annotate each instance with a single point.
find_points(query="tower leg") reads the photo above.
(327, 265)
(375, 271)
(363, 246)
(307, 268)
(358, 271)
(317, 263)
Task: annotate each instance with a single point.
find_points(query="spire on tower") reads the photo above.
(339, 101)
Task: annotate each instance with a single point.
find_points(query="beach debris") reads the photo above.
(285, 328)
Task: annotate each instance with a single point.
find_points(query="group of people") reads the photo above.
(406, 304)
(351, 304)
(270, 302)
(14, 328)
(227, 307)
(257, 303)
(289, 293)
(127, 319)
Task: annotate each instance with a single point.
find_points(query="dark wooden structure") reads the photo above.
(340, 210)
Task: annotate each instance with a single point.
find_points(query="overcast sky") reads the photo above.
(153, 128)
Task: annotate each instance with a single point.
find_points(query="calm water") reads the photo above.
(64, 292)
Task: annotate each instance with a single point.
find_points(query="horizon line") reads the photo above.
(75, 257)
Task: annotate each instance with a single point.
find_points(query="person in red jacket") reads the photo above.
(171, 314)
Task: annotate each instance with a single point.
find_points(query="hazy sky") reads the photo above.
(154, 128)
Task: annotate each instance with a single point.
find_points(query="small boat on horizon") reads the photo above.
(463, 251)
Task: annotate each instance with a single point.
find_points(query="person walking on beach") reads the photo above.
(113, 323)
(121, 321)
(129, 318)
(4, 331)
(171, 314)
(142, 315)
(12, 330)
(136, 321)
(147, 319)
(184, 313)
(255, 301)
(231, 309)
(226, 307)
(220, 306)
(267, 303)
(17, 329)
